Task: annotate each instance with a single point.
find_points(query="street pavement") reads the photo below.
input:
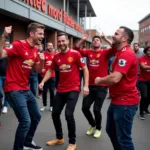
(46, 132)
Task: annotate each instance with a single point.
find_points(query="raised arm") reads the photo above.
(83, 39)
(40, 65)
(103, 36)
(7, 31)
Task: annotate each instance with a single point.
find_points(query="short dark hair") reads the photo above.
(146, 49)
(136, 44)
(129, 33)
(97, 36)
(61, 34)
(33, 26)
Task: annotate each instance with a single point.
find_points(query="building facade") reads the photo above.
(136, 37)
(56, 15)
(144, 31)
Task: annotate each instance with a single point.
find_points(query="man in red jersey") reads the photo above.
(68, 62)
(98, 66)
(50, 84)
(123, 91)
(22, 56)
(144, 82)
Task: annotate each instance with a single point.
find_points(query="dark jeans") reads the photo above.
(56, 77)
(2, 79)
(33, 82)
(39, 81)
(49, 85)
(70, 99)
(144, 87)
(97, 96)
(119, 126)
(27, 112)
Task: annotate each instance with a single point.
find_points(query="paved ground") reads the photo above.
(45, 132)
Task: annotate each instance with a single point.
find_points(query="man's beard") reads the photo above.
(116, 43)
(96, 46)
(49, 50)
(64, 48)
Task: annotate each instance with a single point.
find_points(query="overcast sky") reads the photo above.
(114, 13)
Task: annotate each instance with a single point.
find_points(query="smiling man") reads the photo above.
(68, 62)
(97, 61)
(123, 91)
(22, 56)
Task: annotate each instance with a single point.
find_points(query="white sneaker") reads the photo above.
(5, 110)
(43, 108)
(51, 109)
(90, 130)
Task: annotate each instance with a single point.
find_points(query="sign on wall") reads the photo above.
(55, 13)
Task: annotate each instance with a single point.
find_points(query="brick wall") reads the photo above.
(144, 32)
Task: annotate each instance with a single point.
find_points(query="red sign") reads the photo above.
(57, 14)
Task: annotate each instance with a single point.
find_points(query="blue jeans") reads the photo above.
(33, 82)
(119, 126)
(2, 79)
(27, 112)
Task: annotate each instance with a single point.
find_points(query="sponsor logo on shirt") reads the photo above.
(122, 62)
(94, 62)
(70, 59)
(48, 63)
(29, 63)
(65, 68)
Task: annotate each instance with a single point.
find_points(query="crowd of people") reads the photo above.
(124, 71)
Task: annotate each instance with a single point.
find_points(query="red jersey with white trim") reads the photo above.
(144, 74)
(69, 73)
(21, 57)
(48, 61)
(97, 62)
(125, 91)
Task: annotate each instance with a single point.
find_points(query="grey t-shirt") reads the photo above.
(138, 55)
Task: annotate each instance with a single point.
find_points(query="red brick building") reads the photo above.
(144, 31)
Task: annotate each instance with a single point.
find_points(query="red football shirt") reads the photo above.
(125, 91)
(97, 63)
(21, 57)
(144, 74)
(48, 61)
(69, 73)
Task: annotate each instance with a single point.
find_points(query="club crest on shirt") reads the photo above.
(98, 55)
(122, 62)
(70, 59)
(35, 54)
